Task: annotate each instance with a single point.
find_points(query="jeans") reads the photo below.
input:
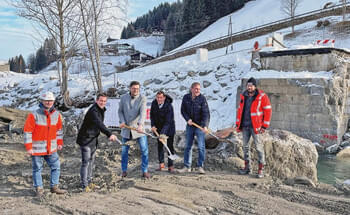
(190, 133)
(144, 153)
(247, 133)
(37, 165)
(87, 162)
(170, 144)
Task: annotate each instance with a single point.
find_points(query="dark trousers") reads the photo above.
(170, 144)
(87, 162)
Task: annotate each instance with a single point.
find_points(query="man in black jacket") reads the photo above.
(87, 139)
(162, 121)
(194, 108)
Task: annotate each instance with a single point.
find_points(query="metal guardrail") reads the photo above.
(256, 28)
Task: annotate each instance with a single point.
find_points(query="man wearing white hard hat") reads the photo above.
(43, 136)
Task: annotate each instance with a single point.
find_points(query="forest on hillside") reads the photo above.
(181, 20)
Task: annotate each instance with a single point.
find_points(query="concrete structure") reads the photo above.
(313, 108)
(202, 55)
(275, 41)
(4, 66)
(312, 60)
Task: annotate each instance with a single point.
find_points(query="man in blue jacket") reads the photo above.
(87, 139)
(194, 108)
(162, 121)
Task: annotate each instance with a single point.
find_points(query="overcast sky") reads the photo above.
(17, 35)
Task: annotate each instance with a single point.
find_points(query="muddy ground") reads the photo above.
(218, 192)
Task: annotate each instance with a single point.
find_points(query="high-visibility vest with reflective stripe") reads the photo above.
(43, 132)
(260, 112)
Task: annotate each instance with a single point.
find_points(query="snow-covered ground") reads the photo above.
(220, 75)
(254, 13)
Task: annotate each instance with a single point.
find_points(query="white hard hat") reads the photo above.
(47, 96)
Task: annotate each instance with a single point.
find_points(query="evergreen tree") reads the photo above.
(31, 63)
(21, 64)
(40, 59)
(50, 50)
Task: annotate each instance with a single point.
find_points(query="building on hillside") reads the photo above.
(139, 58)
(316, 107)
(4, 66)
(117, 49)
(157, 33)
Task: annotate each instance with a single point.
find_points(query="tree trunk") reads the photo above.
(97, 50)
(64, 90)
(344, 9)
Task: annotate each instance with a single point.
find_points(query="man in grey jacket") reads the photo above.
(132, 112)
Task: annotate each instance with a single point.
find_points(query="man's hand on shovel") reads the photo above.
(163, 140)
(210, 132)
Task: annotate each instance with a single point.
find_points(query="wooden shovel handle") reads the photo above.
(129, 127)
(196, 125)
(156, 133)
(160, 139)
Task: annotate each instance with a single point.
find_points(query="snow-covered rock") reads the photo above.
(344, 154)
(287, 155)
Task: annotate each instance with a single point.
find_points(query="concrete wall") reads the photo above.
(300, 63)
(312, 60)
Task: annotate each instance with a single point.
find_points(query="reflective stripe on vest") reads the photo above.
(27, 137)
(257, 114)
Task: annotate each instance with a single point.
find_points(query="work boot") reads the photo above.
(146, 175)
(161, 167)
(57, 190)
(93, 186)
(184, 170)
(124, 174)
(86, 189)
(171, 169)
(39, 191)
(246, 169)
(260, 171)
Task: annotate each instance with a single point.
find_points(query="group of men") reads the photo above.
(44, 136)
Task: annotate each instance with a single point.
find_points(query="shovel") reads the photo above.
(171, 156)
(135, 129)
(211, 133)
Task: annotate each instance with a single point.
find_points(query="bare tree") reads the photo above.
(58, 18)
(95, 15)
(289, 7)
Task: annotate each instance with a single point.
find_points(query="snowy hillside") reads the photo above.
(253, 14)
(219, 76)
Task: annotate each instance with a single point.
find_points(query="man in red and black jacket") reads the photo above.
(253, 118)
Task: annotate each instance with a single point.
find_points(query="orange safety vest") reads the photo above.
(260, 112)
(43, 132)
